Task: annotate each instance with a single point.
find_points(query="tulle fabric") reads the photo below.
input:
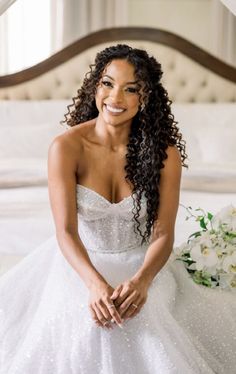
(46, 327)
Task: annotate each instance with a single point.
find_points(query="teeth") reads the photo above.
(114, 110)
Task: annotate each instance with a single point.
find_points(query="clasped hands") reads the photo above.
(109, 305)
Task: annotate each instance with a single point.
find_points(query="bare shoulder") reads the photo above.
(173, 163)
(173, 154)
(71, 142)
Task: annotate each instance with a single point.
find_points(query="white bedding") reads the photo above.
(26, 130)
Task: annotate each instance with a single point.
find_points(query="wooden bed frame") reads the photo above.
(122, 33)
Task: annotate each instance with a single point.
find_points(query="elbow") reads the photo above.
(167, 237)
(63, 235)
(170, 241)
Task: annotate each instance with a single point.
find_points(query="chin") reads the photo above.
(116, 122)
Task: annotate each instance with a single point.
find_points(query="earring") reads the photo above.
(142, 107)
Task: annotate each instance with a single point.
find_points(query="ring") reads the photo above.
(105, 323)
(134, 305)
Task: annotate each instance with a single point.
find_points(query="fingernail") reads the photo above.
(120, 326)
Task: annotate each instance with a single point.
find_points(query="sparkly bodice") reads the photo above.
(106, 226)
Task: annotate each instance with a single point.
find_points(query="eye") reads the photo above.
(107, 83)
(131, 89)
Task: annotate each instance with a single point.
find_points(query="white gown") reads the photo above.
(46, 327)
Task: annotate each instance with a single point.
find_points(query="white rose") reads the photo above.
(181, 249)
(229, 263)
(226, 216)
(206, 239)
(205, 257)
(227, 281)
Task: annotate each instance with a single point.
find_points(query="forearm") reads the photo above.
(156, 256)
(77, 256)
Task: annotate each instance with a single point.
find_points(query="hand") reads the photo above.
(102, 307)
(129, 297)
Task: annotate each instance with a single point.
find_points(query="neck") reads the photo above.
(112, 136)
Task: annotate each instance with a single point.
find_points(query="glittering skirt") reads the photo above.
(46, 327)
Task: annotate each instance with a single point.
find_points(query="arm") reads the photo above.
(163, 232)
(62, 168)
(134, 291)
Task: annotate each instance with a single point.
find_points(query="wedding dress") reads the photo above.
(46, 327)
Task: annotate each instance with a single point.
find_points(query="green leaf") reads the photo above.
(195, 234)
(231, 235)
(202, 223)
(209, 216)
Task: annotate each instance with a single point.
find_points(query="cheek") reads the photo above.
(99, 96)
(134, 103)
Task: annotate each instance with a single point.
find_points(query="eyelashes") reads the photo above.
(106, 84)
(132, 89)
(128, 89)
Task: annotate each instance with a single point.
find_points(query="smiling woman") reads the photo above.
(106, 297)
(117, 96)
(143, 111)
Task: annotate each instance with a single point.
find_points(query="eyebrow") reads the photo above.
(108, 76)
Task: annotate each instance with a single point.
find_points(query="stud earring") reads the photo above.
(142, 107)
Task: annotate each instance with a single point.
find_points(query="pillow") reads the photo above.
(210, 132)
(209, 180)
(32, 112)
(27, 127)
(27, 141)
(23, 172)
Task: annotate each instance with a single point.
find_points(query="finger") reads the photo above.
(94, 317)
(102, 320)
(106, 315)
(104, 310)
(127, 302)
(116, 292)
(122, 296)
(115, 316)
(134, 309)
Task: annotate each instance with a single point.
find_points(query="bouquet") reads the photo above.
(209, 255)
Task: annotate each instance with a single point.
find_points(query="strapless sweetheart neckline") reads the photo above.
(102, 197)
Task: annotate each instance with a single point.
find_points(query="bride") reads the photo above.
(102, 295)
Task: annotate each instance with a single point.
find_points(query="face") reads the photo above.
(117, 96)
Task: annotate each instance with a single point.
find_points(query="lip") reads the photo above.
(114, 109)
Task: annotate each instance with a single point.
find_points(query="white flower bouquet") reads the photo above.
(209, 255)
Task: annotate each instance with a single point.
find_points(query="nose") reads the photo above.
(116, 95)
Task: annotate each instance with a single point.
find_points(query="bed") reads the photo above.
(32, 102)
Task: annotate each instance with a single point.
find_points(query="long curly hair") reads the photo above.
(153, 128)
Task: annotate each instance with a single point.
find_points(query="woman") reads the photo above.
(94, 298)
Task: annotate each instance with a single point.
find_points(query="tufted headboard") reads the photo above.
(190, 73)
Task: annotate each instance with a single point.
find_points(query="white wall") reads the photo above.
(191, 19)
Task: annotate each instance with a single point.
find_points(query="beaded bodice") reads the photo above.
(106, 226)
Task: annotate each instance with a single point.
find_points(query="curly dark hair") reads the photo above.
(153, 128)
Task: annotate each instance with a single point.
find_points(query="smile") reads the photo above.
(113, 109)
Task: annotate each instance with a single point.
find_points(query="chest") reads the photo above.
(104, 171)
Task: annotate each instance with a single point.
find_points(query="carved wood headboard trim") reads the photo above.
(123, 33)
